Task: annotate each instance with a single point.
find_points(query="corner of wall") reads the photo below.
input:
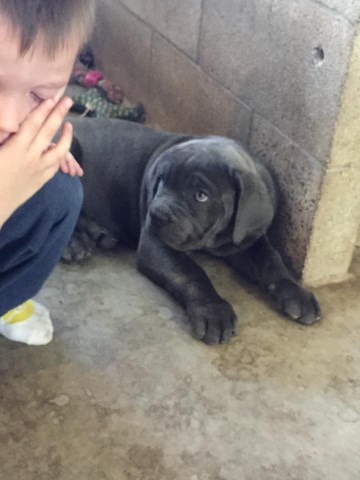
(337, 217)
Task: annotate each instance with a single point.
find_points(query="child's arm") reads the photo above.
(26, 162)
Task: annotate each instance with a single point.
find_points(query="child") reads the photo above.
(39, 205)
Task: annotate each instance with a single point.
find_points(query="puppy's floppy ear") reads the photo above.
(255, 208)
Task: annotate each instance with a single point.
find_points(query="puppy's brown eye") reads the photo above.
(201, 196)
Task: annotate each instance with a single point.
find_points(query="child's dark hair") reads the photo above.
(55, 20)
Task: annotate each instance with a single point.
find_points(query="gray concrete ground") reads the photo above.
(124, 393)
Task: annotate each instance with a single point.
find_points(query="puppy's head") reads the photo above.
(207, 193)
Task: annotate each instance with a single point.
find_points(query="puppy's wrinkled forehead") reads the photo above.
(214, 150)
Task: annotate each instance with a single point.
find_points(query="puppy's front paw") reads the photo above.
(213, 322)
(81, 246)
(296, 302)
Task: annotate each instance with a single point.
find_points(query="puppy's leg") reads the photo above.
(212, 318)
(262, 264)
(88, 235)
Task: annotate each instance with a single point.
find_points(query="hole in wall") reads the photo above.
(318, 55)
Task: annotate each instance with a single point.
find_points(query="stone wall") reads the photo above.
(270, 73)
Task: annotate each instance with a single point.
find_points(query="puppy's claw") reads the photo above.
(213, 323)
(297, 303)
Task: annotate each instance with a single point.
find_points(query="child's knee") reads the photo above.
(34, 237)
(64, 196)
(49, 216)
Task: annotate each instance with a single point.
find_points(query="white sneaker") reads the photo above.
(29, 323)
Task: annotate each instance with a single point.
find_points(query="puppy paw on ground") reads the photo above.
(295, 302)
(29, 323)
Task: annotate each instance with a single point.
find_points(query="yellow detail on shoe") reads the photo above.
(20, 314)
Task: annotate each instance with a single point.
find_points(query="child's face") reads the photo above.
(25, 81)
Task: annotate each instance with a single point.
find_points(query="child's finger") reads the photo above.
(64, 166)
(72, 170)
(51, 125)
(57, 154)
(70, 160)
(79, 171)
(33, 122)
(50, 147)
(74, 167)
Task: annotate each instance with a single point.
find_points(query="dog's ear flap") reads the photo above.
(255, 208)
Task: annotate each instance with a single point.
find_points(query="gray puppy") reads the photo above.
(169, 195)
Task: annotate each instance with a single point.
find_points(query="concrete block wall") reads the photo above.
(270, 73)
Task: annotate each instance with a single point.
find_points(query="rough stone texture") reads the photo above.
(349, 8)
(177, 21)
(265, 53)
(122, 47)
(337, 218)
(124, 393)
(183, 98)
(299, 177)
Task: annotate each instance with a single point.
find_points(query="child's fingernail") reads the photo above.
(68, 102)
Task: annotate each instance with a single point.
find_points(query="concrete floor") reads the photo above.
(124, 393)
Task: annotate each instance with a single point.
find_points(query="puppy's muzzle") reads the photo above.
(159, 217)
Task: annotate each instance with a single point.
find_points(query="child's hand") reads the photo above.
(26, 162)
(69, 165)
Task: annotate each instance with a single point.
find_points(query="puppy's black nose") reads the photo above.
(158, 218)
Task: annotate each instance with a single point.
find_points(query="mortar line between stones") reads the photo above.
(226, 89)
(161, 35)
